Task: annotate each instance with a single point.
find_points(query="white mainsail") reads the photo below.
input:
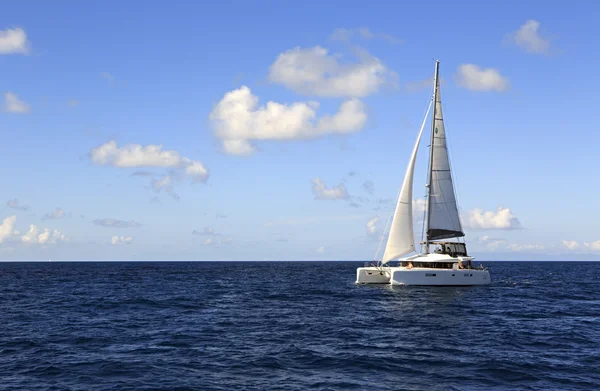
(401, 239)
(443, 220)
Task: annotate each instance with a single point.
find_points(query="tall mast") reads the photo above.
(435, 94)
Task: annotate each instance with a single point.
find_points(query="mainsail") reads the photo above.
(443, 220)
(401, 239)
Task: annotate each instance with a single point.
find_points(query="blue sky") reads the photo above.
(91, 90)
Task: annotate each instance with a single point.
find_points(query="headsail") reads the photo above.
(401, 239)
(443, 220)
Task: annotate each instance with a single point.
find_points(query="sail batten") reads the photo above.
(401, 239)
(443, 220)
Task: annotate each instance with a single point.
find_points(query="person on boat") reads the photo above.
(409, 265)
(460, 265)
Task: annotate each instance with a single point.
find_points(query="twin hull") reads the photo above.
(421, 276)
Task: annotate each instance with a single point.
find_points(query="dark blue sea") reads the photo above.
(294, 326)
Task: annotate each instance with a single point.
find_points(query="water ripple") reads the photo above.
(294, 326)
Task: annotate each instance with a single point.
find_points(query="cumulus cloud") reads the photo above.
(528, 38)
(34, 236)
(373, 227)
(595, 246)
(12, 104)
(15, 204)
(43, 236)
(526, 247)
(57, 214)
(308, 220)
(117, 223)
(206, 231)
(13, 41)
(7, 228)
(166, 183)
(237, 121)
(492, 243)
(119, 240)
(217, 242)
(151, 156)
(502, 218)
(570, 244)
(320, 250)
(419, 206)
(497, 244)
(316, 72)
(321, 192)
(475, 78)
(344, 35)
(574, 245)
(107, 76)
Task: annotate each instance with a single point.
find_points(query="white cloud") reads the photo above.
(595, 246)
(116, 223)
(57, 214)
(528, 38)
(526, 247)
(501, 219)
(475, 78)
(344, 35)
(13, 41)
(316, 72)
(206, 231)
(497, 244)
(321, 192)
(136, 156)
(7, 228)
(372, 227)
(321, 219)
(321, 250)
(35, 235)
(164, 182)
(237, 120)
(107, 76)
(217, 242)
(574, 245)
(570, 244)
(45, 236)
(12, 104)
(419, 206)
(209, 242)
(492, 243)
(118, 240)
(15, 204)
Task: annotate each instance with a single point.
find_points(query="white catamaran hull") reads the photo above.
(421, 276)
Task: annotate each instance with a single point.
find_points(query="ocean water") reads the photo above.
(294, 326)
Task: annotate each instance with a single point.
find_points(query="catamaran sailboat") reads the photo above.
(449, 263)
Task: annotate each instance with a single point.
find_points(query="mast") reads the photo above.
(435, 94)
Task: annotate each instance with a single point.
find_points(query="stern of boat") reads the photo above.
(372, 275)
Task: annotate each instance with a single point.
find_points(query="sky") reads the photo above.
(268, 130)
